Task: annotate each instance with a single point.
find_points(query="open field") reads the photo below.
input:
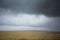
(29, 35)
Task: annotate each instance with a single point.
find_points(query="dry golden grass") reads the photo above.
(29, 35)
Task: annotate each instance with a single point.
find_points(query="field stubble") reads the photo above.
(29, 35)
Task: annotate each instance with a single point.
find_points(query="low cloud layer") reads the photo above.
(27, 19)
(31, 22)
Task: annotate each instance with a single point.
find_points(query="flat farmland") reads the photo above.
(29, 35)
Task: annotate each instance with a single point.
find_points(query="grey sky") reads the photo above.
(43, 14)
(46, 7)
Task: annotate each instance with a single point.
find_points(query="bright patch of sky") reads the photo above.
(29, 22)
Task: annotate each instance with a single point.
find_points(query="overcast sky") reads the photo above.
(30, 15)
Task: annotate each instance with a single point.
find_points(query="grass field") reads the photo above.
(29, 35)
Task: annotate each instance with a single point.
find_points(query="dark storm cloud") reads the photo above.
(46, 7)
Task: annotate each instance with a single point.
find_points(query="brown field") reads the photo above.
(29, 35)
